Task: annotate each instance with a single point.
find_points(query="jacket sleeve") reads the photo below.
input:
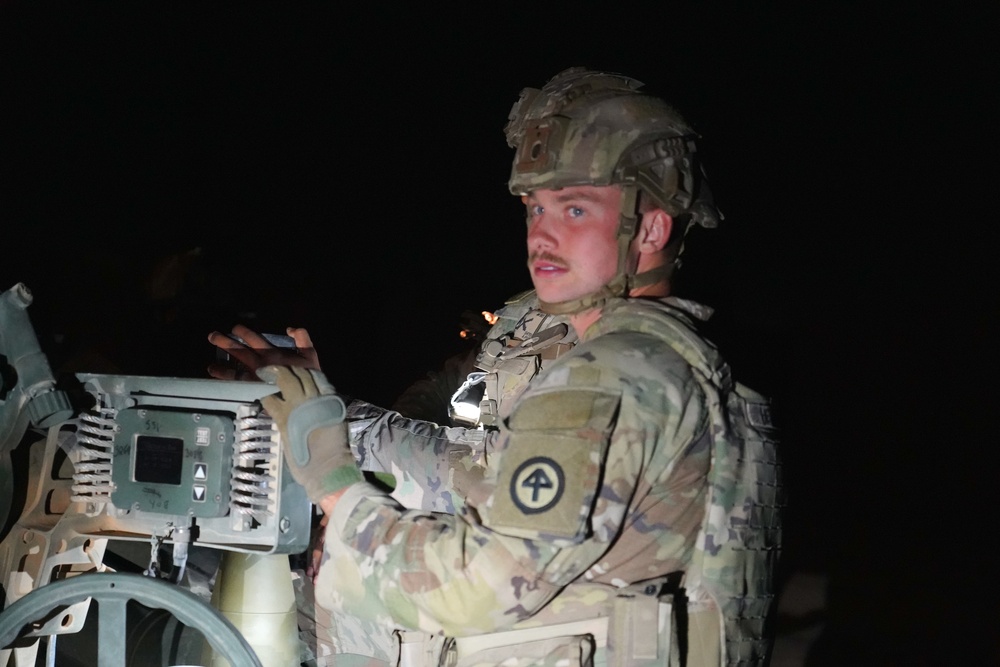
(433, 466)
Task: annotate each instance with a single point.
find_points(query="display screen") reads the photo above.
(158, 460)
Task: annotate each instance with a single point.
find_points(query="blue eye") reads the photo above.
(575, 211)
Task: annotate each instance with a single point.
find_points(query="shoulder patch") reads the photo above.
(537, 485)
(551, 468)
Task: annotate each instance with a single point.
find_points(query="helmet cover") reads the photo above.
(586, 127)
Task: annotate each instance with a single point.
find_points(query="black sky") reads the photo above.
(344, 169)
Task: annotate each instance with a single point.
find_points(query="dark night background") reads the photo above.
(345, 170)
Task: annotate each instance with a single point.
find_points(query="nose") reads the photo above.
(540, 233)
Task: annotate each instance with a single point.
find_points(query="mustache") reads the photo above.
(546, 257)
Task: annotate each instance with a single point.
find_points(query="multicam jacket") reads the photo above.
(434, 466)
(633, 458)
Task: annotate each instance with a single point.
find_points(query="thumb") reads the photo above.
(304, 344)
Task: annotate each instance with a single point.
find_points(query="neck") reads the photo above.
(584, 319)
(657, 290)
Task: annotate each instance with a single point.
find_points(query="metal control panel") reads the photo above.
(134, 457)
(200, 453)
(175, 462)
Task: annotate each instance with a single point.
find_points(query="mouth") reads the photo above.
(547, 267)
(545, 270)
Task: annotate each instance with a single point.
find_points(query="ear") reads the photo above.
(654, 230)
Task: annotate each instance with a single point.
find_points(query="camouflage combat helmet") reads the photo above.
(595, 128)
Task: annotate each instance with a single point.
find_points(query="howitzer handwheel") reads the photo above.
(112, 591)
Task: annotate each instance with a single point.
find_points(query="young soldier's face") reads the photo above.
(572, 240)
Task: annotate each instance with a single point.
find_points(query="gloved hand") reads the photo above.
(310, 417)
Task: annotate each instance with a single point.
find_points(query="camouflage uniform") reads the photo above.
(594, 510)
(433, 466)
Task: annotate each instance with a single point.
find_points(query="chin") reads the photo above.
(552, 297)
(546, 294)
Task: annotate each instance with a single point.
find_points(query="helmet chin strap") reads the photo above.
(623, 282)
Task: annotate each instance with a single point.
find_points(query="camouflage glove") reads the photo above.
(310, 417)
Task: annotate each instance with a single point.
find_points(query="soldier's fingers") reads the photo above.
(251, 337)
(224, 341)
(308, 383)
(288, 382)
(221, 371)
(304, 345)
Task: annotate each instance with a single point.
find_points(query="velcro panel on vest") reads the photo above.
(551, 468)
(639, 635)
(561, 651)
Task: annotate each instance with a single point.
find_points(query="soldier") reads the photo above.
(630, 514)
